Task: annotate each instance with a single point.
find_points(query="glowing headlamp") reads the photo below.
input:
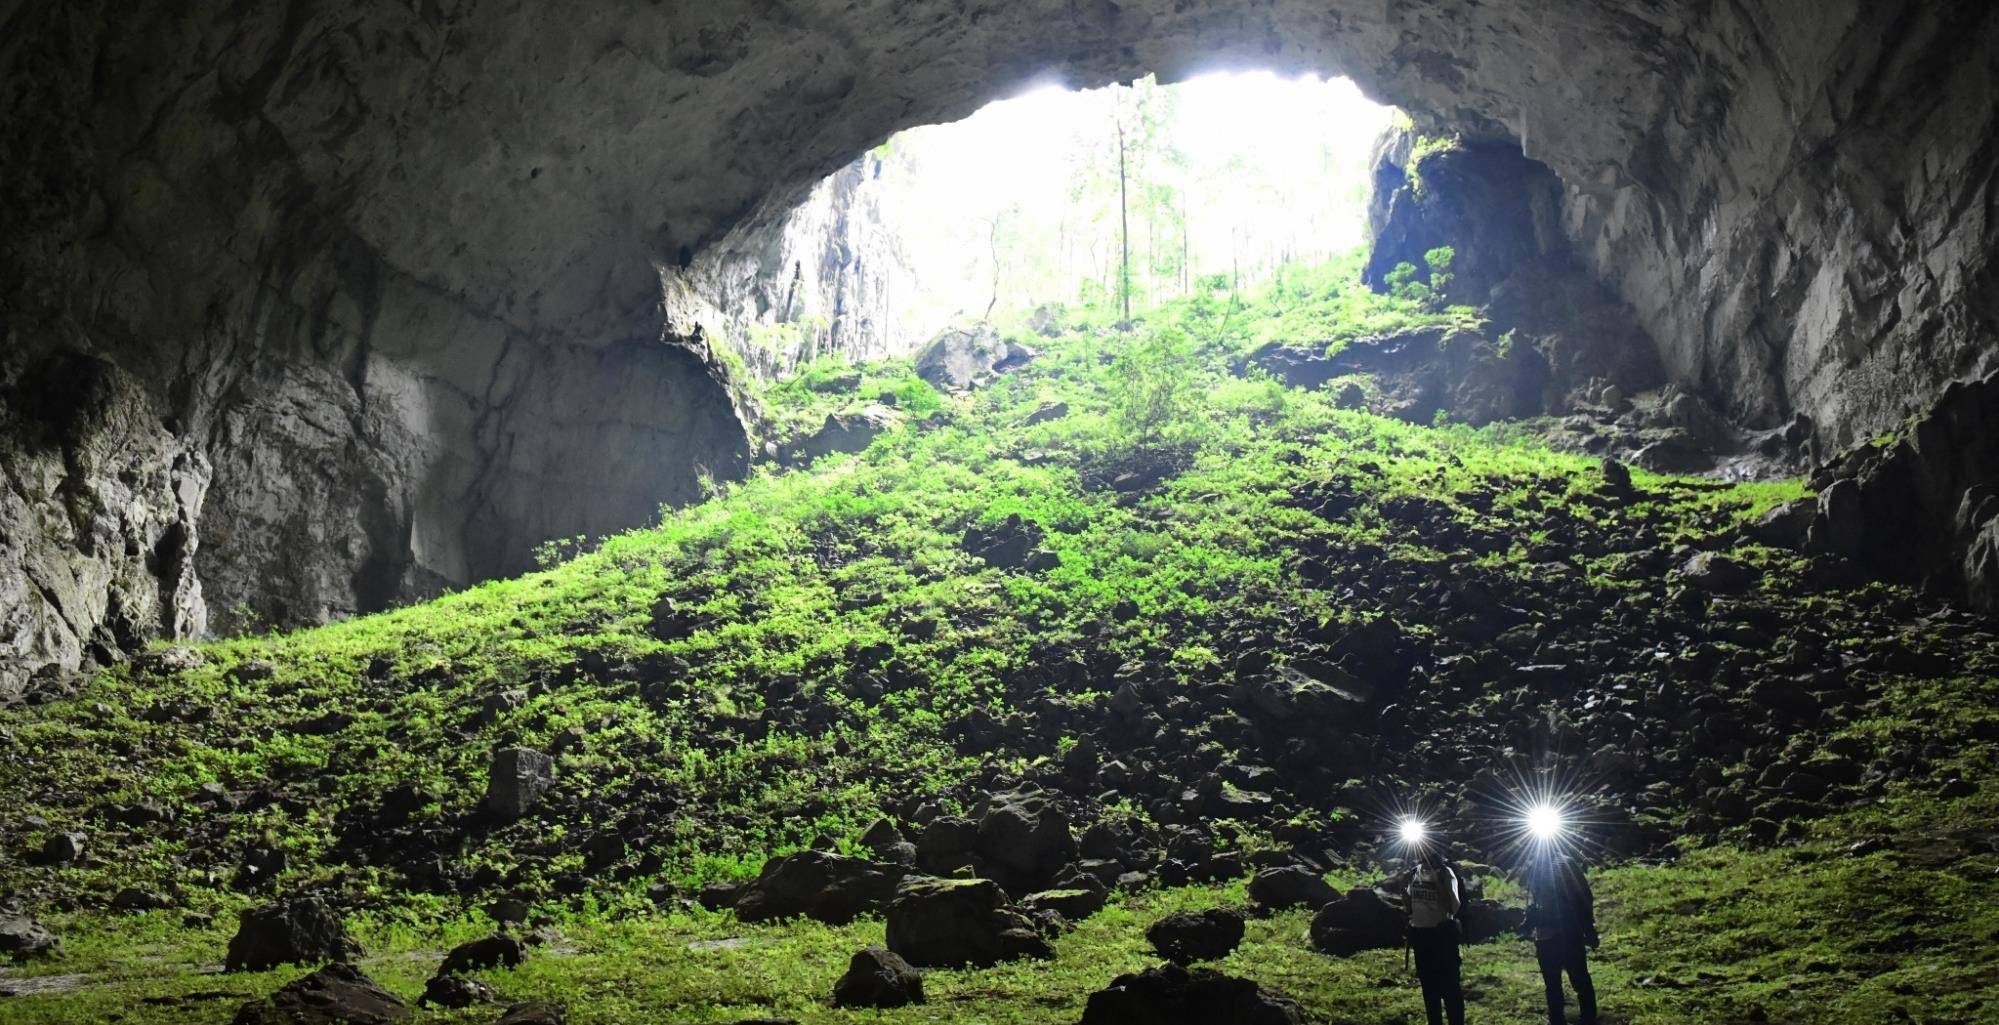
(1413, 831)
(1544, 822)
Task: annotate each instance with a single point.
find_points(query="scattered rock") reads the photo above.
(878, 978)
(1072, 904)
(1359, 921)
(1716, 573)
(1047, 411)
(1189, 936)
(819, 885)
(63, 848)
(519, 778)
(1024, 838)
(496, 951)
(302, 930)
(1173, 995)
(1290, 886)
(533, 1014)
(844, 432)
(942, 923)
(457, 991)
(963, 358)
(22, 938)
(133, 899)
(337, 994)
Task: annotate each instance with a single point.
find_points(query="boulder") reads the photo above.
(63, 848)
(1716, 573)
(878, 978)
(337, 994)
(519, 778)
(965, 358)
(940, 923)
(1188, 936)
(1173, 995)
(22, 937)
(456, 992)
(1484, 920)
(302, 930)
(1024, 838)
(534, 1013)
(496, 951)
(1290, 886)
(1361, 920)
(844, 432)
(819, 885)
(1073, 904)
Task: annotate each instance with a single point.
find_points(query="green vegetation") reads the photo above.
(774, 667)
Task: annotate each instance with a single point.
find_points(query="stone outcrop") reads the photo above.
(1924, 507)
(402, 276)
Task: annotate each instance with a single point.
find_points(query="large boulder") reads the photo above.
(1361, 920)
(948, 923)
(963, 358)
(1290, 886)
(1024, 838)
(496, 951)
(22, 937)
(337, 994)
(878, 978)
(1173, 995)
(1489, 920)
(844, 432)
(1188, 936)
(302, 930)
(819, 885)
(519, 778)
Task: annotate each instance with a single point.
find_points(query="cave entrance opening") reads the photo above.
(1115, 198)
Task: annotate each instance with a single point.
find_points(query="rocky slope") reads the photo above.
(1110, 665)
(355, 254)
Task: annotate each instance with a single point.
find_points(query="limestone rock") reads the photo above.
(301, 930)
(497, 951)
(1189, 936)
(1359, 921)
(1290, 886)
(1173, 995)
(820, 885)
(959, 922)
(23, 938)
(878, 978)
(964, 358)
(519, 778)
(337, 994)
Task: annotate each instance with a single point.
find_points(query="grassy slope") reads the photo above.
(785, 582)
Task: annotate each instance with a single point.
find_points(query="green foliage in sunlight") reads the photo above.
(672, 649)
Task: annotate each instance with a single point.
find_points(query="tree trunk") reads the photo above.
(1124, 223)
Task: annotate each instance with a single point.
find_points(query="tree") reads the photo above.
(1124, 222)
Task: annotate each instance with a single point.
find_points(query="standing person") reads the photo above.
(1563, 917)
(1434, 899)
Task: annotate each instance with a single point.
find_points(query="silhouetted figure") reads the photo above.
(1563, 920)
(1434, 899)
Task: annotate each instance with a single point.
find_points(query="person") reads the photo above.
(1434, 900)
(1562, 915)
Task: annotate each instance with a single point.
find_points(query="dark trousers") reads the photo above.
(1437, 968)
(1566, 954)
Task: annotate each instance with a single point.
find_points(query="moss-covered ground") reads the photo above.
(785, 662)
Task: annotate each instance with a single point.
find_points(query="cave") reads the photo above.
(314, 311)
(347, 276)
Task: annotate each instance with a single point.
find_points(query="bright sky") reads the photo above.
(1277, 167)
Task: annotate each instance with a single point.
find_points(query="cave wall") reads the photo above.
(829, 266)
(339, 247)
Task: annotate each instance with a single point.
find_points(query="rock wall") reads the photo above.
(825, 270)
(338, 246)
